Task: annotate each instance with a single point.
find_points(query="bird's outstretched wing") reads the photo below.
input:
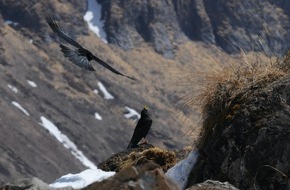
(78, 59)
(103, 63)
(80, 56)
(55, 27)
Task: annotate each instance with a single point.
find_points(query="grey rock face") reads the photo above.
(131, 22)
(233, 25)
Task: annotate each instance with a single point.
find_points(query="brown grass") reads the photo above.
(166, 159)
(223, 89)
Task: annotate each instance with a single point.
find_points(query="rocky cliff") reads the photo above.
(232, 25)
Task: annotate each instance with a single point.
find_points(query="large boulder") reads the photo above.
(246, 130)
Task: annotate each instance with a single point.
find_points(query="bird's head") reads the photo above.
(145, 107)
(145, 111)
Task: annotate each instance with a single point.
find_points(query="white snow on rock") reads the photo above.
(16, 104)
(67, 143)
(131, 113)
(13, 88)
(93, 18)
(96, 91)
(32, 84)
(10, 22)
(180, 172)
(81, 180)
(106, 94)
(98, 116)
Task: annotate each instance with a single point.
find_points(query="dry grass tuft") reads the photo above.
(223, 90)
(166, 159)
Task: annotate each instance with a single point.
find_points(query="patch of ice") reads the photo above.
(32, 84)
(13, 88)
(81, 180)
(131, 114)
(67, 143)
(180, 172)
(93, 18)
(16, 104)
(106, 94)
(98, 116)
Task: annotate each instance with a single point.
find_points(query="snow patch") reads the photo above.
(106, 94)
(83, 179)
(180, 172)
(32, 84)
(131, 113)
(98, 116)
(93, 18)
(10, 22)
(13, 88)
(96, 91)
(67, 143)
(16, 104)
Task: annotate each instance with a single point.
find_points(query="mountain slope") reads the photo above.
(66, 95)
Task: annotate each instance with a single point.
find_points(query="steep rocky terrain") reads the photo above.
(232, 25)
(65, 94)
(246, 134)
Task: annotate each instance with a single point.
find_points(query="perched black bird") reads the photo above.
(78, 55)
(142, 128)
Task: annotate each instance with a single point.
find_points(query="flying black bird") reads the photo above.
(142, 128)
(78, 55)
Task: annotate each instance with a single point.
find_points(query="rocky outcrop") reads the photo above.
(250, 25)
(148, 176)
(144, 153)
(147, 172)
(129, 23)
(247, 25)
(250, 146)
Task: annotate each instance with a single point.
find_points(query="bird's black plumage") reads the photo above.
(142, 128)
(79, 55)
